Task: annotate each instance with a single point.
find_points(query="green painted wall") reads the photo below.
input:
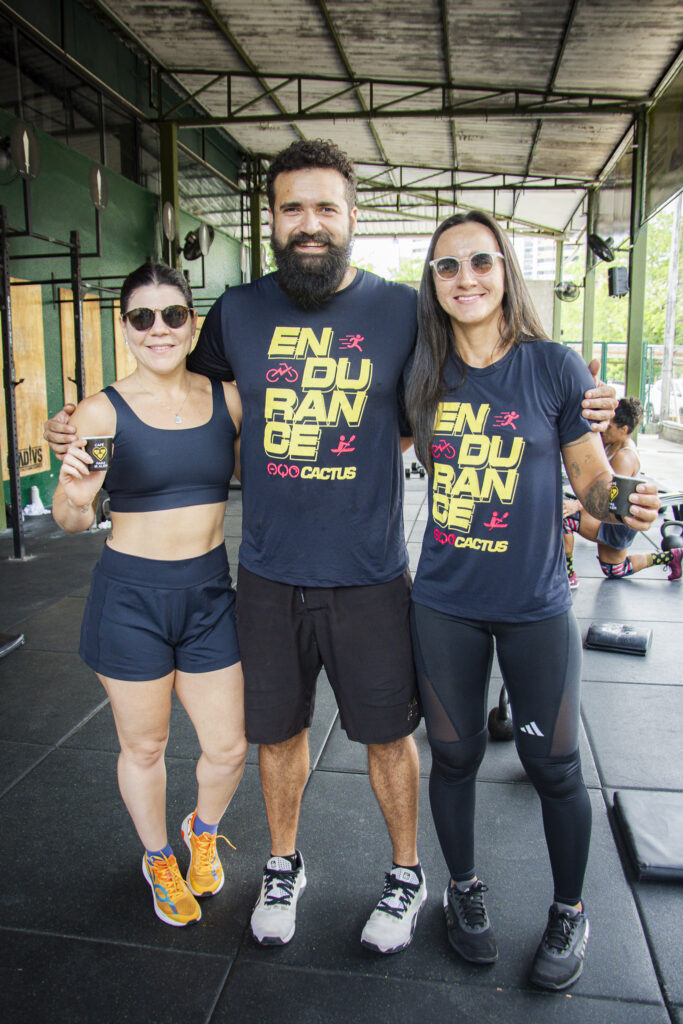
(130, 233)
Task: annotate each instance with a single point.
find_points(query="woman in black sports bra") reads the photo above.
(160, 614)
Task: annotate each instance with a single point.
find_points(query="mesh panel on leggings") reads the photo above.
(441, 728)
(566, 732)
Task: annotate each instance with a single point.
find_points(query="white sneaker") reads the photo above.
(391, 925)
(274, 917)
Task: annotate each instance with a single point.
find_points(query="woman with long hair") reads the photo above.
(160, 614)
(493, 406)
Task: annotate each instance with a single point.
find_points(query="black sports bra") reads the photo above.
(154, 469)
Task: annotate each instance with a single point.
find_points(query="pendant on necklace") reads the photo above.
(177, 418)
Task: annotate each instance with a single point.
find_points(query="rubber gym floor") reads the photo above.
(78, 937)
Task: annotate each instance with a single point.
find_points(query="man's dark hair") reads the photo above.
(312, 153)
(155, 274)
(628, 413)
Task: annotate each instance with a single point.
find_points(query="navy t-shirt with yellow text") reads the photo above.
(322, 474)
(492, 548)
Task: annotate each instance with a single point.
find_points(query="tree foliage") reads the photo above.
(611, 314)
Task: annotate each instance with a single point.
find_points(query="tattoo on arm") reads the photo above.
(596, 500)
(590, 474)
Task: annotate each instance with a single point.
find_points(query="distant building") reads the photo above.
(536, 257)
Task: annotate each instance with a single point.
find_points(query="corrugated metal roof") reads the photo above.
(457, 88)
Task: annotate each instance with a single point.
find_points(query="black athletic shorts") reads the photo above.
(146, 617)
(361, 635)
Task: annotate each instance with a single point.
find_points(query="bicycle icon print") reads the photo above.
(443, 448)
(283, 372)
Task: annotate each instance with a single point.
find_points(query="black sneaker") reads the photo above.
(469, 929)
(559, 958)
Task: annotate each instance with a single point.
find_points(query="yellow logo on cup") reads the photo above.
(100, 452)
(614, 490)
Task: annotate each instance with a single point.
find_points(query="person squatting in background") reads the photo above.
(614, 539)
(160, 613)
(493, 406)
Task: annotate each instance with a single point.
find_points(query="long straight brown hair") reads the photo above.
(519, 322)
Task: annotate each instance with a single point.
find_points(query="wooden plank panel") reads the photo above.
(31, 394)
(92, 344)
(125, 363)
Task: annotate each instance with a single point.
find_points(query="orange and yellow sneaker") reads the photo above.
(174, 904)
(205, 874)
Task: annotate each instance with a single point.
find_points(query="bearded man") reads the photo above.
(317, 351)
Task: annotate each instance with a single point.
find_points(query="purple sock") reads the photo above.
(201, 826)
(165, 852)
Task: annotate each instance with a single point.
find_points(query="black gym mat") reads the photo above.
(651, 824)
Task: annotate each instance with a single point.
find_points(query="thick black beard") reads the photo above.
(310, 281)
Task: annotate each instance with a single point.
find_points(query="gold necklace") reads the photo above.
(176, 414)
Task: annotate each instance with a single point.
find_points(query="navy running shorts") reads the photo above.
(361, 635)
(616, 535)
(145, 617)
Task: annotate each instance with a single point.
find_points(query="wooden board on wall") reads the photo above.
(200, 323)
(92, 344)
(125, 363)
(28, 343)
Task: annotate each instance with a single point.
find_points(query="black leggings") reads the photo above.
(541, 666)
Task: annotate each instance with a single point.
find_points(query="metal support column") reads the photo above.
(10, 383)
(168, 161)
(589, 288)
(77, 292)
(255, 220)
(557, 305)
(637, 263)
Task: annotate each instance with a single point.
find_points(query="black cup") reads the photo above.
(99, 449)
(621, 491)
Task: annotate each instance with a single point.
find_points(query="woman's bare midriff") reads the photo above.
(168, 534)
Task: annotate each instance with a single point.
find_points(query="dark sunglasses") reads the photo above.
(481, 263)
(142, 318)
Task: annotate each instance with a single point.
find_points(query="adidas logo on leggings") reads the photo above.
(531, 729)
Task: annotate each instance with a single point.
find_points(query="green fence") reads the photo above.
(612, 357)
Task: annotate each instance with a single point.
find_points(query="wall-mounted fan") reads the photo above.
(197, 243)
(601, 247)
(567, 291)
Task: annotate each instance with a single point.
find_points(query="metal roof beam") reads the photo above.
(480, 175)
(520, 111)
(412, 83)
(212, 171)
(336, 38)
(245, 58)
(551, 85)
(514, 187)
(398, 215)
(446, 49)
(563, 44)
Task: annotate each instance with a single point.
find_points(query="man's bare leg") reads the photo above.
(284, 770)
(395, 777)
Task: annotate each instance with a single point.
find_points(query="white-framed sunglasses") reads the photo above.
(481, 264)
